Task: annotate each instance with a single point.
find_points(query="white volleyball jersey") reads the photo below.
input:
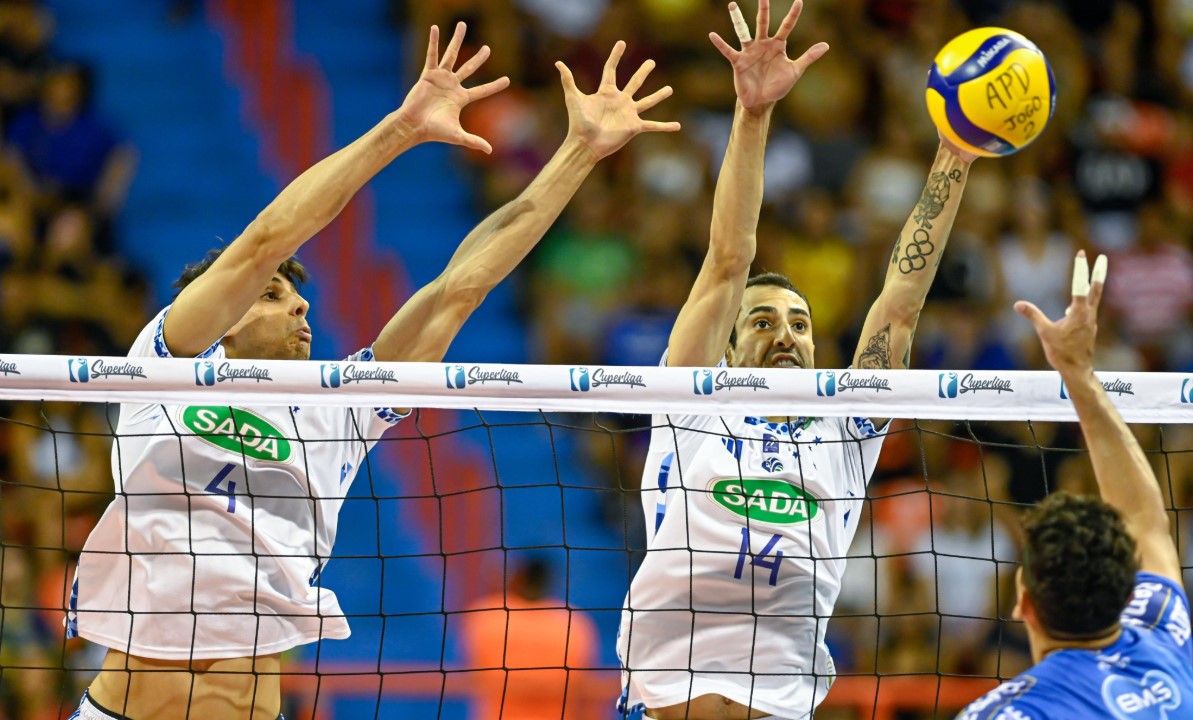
(223, 520)
(748, 525)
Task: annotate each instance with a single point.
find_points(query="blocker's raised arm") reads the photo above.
(762, 75)
(890, 325)
(217, 299)
(598, 125)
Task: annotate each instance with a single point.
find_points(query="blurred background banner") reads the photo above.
(139, 133)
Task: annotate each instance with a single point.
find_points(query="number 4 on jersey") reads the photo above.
(214, 487)
(759, 560)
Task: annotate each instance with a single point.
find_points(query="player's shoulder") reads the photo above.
(151, 341)
(1016, 699)
(1158, 604)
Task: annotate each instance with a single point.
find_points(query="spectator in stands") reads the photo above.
(25, 690)
(68, 148)
(1151, 291)
(583, 272)
(530, 650)
(25, 32)
(960, 555)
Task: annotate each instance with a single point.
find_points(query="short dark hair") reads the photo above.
(1078, 565)
(291, 269)
(769, 278)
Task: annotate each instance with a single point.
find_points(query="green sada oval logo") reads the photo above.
(237, 431)
(765, 500)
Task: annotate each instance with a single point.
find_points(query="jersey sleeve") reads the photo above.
(1008, 701)
(1160, 605)
(151, 342)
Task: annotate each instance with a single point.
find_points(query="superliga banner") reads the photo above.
(925, 394)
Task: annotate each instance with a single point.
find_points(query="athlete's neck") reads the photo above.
(1044, 645)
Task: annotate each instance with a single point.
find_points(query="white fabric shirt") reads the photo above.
(222, 522)
(702, 616)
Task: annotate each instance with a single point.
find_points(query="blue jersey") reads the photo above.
(1146, 674)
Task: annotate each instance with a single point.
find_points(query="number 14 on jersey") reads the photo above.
(761, 559)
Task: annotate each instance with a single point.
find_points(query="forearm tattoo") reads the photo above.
(877, 353)
(917, 251)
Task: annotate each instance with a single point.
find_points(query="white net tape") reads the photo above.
(925, 394)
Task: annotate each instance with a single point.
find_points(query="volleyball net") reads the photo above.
(486, 545)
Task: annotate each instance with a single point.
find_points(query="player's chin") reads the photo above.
(301, 350)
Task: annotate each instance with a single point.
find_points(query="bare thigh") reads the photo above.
(234, 688)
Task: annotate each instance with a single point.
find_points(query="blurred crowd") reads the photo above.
(848, 154)
(64, 173)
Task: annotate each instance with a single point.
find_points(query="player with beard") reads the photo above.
(749, 518)
(206, 565)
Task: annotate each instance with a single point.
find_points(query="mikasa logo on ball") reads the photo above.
(986, 56)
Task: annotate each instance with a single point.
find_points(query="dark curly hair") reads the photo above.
(291, 269)
(1078, 564)
(770, 278)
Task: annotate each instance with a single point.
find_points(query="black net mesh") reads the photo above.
(483, 559)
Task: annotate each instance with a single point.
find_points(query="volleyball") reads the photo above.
(991, 91)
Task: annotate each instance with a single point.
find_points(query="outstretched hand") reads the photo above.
(1069, 342)
(433, 105)
(609, 118)
(762, 72)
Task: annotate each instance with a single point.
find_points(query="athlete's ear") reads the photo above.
(729, 352)
(1020, 596)
(1025, 610)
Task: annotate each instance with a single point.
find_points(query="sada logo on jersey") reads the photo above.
(237, 431)
(207, 373)
(704, 382)
(764, 500)
(1150, 697)
(83, 370)
(949, 386)
(331, 375)
(458, 379)
(1117, 386)
(828, 384)
(582, 381)
(8, 368)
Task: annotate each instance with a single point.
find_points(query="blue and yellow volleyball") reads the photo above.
(991, 91)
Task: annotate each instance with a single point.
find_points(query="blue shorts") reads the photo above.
(90, 710)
